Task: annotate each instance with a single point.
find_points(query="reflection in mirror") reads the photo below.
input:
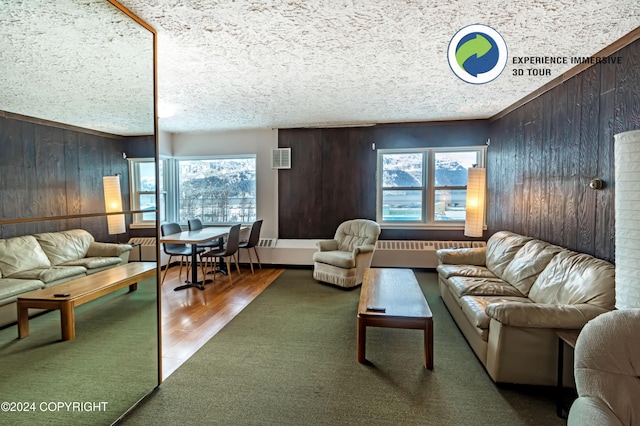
(77, 94)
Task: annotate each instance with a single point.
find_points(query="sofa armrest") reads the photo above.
(327, 245)
(465, 256)
(587, 410)
(539, 315)
(97, 249)
(367, 248)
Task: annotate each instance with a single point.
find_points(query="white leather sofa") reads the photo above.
(509, 297)
(32, 262)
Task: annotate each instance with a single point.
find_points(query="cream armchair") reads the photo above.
(607, 371)
(342, 261)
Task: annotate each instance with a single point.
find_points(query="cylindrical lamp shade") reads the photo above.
(476, 188)
(113, 203)
(627, 217)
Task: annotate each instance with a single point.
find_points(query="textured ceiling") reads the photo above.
(225, 64)
(244, 64)
(83, 63)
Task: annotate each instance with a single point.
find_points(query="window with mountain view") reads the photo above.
(142, 173)
(217, 190)
(425, 186)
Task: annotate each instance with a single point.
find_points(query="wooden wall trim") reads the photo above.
(65, 217)
(43, 122)
(607, 51)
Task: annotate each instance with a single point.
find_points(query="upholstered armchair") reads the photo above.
(607, 371)
(342, 261)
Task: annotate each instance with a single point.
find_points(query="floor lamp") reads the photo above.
(112, 204)
(627, 217)
(476, 190)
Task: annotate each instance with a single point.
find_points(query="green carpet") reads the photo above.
(289, 358)
(113, 359)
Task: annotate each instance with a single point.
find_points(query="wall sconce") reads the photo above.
(476, 189)
(113, 203)
(627, 209)
(596, 183)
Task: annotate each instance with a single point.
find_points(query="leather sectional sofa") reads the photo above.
(32, 262)
(510, 297)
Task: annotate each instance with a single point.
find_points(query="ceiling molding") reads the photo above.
(607, 51)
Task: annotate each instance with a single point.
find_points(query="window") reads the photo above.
(424, 187)
(142, 174)
(217, 190)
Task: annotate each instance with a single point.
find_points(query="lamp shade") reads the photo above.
(113, 203)
(627, 219)
(476, 189)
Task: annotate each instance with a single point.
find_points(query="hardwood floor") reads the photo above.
(191, 317)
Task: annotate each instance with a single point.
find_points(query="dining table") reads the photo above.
(193, 238)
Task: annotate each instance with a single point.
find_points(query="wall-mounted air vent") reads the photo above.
(281, 158)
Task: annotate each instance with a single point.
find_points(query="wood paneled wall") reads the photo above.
(48, 171)
(333, 173)
(543, 155)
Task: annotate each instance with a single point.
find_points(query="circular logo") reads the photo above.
(477, 54)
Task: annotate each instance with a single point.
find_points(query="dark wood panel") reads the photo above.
(300, 187)
(333, 174)
(550, 198)
(555, 120)
(590, 114)
(605, 221)
(49, 171)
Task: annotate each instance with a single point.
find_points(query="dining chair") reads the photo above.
(194, 225)
(229, 250)
(181, 250)
(252, 242)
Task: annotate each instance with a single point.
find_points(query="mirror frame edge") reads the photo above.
(154, 35)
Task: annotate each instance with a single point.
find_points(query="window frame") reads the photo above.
(428, 187)
(174, 171)
(135, 192)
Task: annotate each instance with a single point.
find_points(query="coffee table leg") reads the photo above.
(428, 344)
(362, 338)
(23, 321)
(67, 321)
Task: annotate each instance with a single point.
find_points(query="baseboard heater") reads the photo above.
(146, 251)
(389, 253)
(275, 251)
(414, 254)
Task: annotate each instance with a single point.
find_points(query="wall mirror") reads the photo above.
(77, 92)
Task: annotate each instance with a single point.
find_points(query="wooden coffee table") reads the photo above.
(68, 295)
(397, 292)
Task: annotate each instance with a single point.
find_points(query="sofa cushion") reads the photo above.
(501, 249)
(11, 288)
(65, 246)
(97, 249)
(93, 262)
(462, 256)
(48, 275)
(474, 308)
(528, 262)
(470, 286)
(356, 232)
(341, 259)
(572, 278)
(21, 254)
(447, 271)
